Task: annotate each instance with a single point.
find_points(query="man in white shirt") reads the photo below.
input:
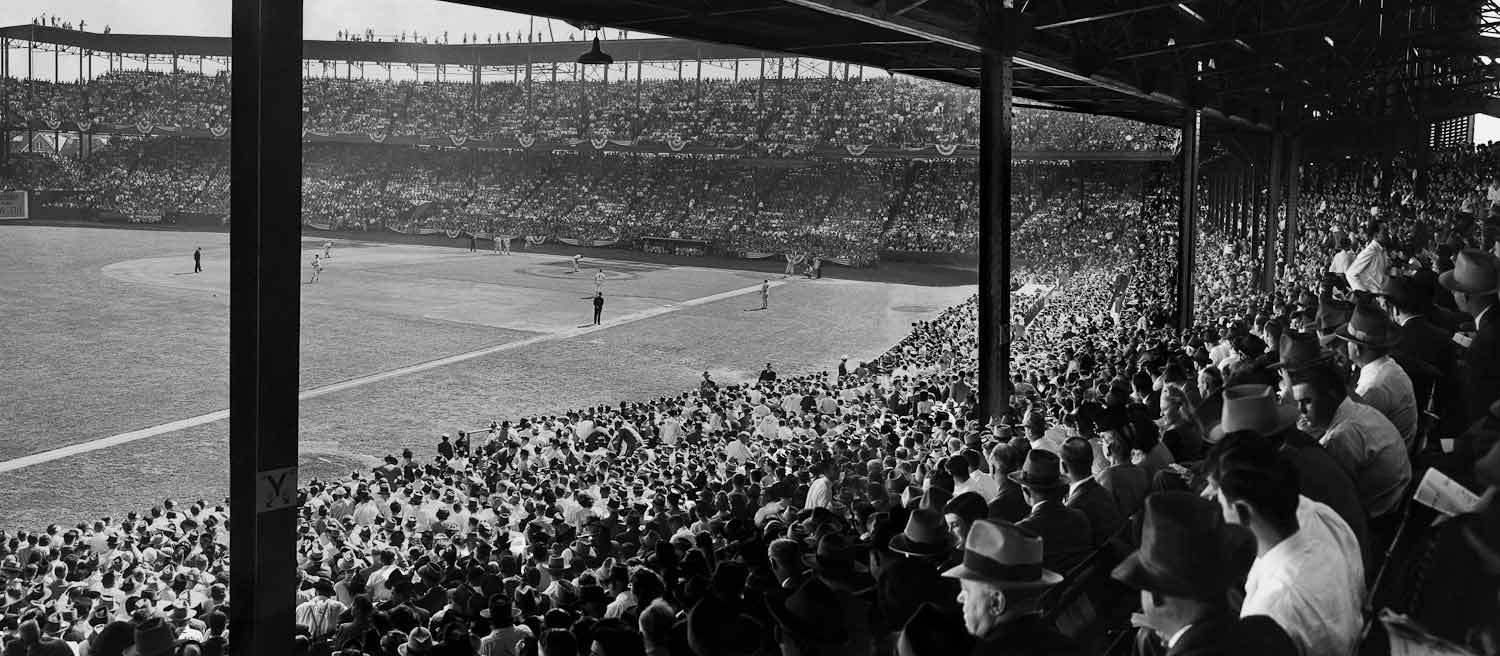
(820, 493)
(737, 450)
(321, 613)
(1343, 258)
(1371, 267)
(1308, 574)
(1382, 383)
(966, 480)
(670, 428)
(1364, 443)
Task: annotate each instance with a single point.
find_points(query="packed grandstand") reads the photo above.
(527, 160)
(813, 513)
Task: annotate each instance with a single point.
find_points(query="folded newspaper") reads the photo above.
(1409, 639)
(1445, 495)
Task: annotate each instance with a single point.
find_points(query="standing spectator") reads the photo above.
(1370, 268)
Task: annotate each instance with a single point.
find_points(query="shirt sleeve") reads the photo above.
(1344, 445)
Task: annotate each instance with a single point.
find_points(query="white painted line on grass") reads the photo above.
(219, 415)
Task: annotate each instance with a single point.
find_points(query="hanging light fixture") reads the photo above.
(595, 56)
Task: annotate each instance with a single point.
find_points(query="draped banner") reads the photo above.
(144, 127)
(856, 150)
(755, 255)
(457, 140)
(675, 143)
(318, 226)
(535, 240)
(596, 243)
(947, 150)
(427, 231)
(623, 142)
(218, 131)
(377, 138)
(526, 140)
(52, 123)
(454, 234)
(599, 142)
(84, 125)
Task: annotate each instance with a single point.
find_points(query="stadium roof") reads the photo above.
(1246, 64)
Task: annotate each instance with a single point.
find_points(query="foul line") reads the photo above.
(220, 415)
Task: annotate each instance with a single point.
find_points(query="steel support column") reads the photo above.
(1270, 234)
(994, 222)
(1187, 220)
(265, 272)
(1293, 195)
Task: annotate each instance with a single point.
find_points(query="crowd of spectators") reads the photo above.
(794, 113)
(1251, 476)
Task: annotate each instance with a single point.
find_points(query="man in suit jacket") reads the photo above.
(1185, 569)
(1066, 534)
(1086, 494)
(1473, 281)
(1426, 351)
(1010, 505)
(1124, 480)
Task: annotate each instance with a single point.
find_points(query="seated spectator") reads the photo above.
(1003, 577)
(1065, 531)
(1085, 494)
(1359, 437)
(1185, 569)
(1308, 574)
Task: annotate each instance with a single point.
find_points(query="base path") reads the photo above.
(219, 415)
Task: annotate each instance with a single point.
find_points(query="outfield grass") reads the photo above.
(84, 355)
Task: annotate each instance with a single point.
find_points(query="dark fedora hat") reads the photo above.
(836, 562)
(1474, 272)
(934, 632)
(1408, 292)
(812, 614)
(714, 627)
(1371, 327)
(1332, 314)
(1184, 548)
(1042, 471)
(1005, 556)
(926, 534)
(1296, 351)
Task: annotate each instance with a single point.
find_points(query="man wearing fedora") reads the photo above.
(810, 622)
(1003, 579)
(1185, 570)
(1065, 531)
(1474, 280)
(1426, 346)
(1382, 384)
